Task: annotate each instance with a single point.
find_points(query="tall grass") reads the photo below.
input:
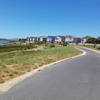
(17, 63)
(9, 48)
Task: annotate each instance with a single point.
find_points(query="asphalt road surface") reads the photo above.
(75, 79)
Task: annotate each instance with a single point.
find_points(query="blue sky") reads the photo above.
(22, 18)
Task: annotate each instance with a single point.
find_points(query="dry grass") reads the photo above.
(18, 63)
(92, 47)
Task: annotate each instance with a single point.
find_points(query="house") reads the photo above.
(62, 39)
(77, 40)
(69, 39)
(32, 39)
(42, 39)
(72, 39)
(54, 39)
(51, 39)
(84, 39)
(58, 39)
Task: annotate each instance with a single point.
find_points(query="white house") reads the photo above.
(69, 39)
(51, 39)
(54, 39)
(72, 39)
(84, 40)
(58, 39)
(42, 39)
(32, 39)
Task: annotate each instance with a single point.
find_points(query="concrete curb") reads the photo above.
(91, 49)
(9, 84)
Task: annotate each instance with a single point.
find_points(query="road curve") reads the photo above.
(75, 79)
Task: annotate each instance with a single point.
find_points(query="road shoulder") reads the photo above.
(91, 49)
(9, 84)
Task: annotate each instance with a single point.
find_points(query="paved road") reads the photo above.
(75, 79)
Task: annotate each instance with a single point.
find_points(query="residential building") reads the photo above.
(58, 39)
(54, 39)
(51, 39)
(31, 39)
(69, 39)
(42, 38)
(77, 40)
(84, 40)
(72, 39)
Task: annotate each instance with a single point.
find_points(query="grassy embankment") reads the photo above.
(14, 64)
(92, 47)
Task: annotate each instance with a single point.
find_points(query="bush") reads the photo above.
(94, 45)
(98, 47)
(65, 44)
(52, 45)
(29, 46)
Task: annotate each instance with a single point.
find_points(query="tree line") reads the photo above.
(93, 40)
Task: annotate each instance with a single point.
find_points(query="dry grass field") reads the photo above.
(14, 64)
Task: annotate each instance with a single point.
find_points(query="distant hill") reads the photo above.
(3, 39)
(15, 39)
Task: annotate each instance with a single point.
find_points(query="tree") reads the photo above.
(93, 41)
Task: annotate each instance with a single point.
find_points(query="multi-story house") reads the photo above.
(84, 39)
(51, 39)
(77, 40)
(32, 39)
(42, 39)
(58, 39)
(54, 39)
(69, 39)
(72, 39)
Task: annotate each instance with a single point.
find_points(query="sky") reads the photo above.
(22, 18)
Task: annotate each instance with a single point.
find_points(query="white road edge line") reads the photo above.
(9, 84)
(91, 49)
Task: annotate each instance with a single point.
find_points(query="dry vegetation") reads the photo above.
(93, 46)
(17, 63)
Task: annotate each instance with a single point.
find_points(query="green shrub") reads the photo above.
(98, 47)
(52, 45)
(65, 44)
